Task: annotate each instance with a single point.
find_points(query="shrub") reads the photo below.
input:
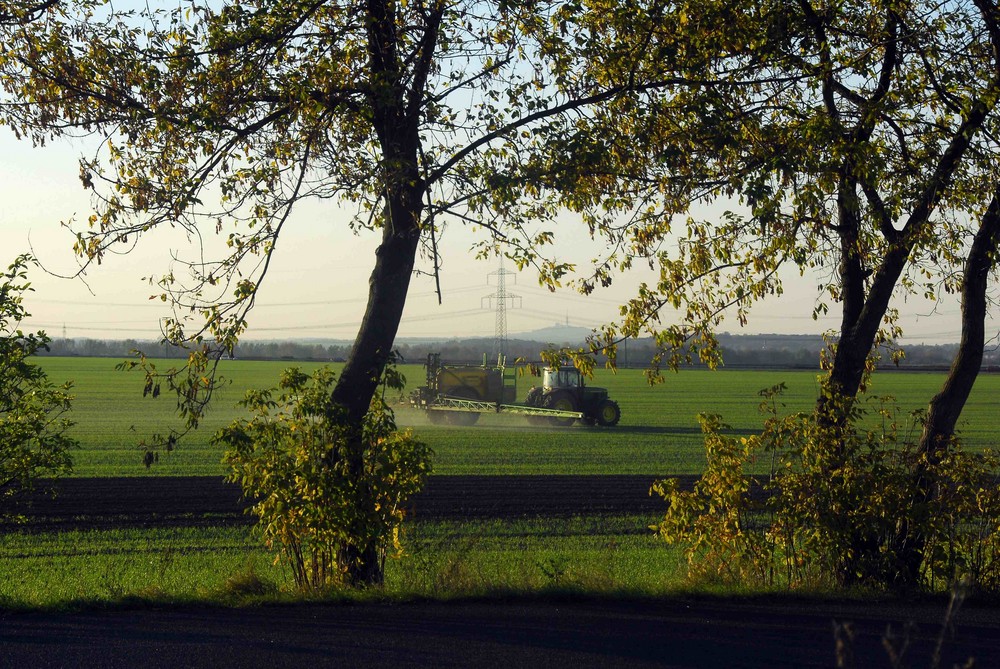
(33, 442)
(292, 458)
(836, 506)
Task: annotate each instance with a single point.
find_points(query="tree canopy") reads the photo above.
(415, 115)
(851, 140)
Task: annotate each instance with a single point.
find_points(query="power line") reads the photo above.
(158, 304)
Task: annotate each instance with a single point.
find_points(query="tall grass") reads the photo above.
(598, 555)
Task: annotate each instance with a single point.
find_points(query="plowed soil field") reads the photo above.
(84, 503)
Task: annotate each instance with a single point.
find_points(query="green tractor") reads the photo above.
(563, 389)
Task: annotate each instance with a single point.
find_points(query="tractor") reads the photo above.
(563, 389)
(458, 394)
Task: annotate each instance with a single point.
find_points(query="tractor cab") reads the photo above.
(564, 377)
(563, 390)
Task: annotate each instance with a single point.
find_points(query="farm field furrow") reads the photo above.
(194, 501)
(658, 433)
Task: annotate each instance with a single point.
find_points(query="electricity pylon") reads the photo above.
(502, 298)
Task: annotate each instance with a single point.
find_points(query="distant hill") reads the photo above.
(555, 334)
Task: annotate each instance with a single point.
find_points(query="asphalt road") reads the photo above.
(484, 634)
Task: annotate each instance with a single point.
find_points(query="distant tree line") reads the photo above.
(251, 350)
(791, 351)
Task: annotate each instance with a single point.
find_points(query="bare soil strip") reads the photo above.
(86, 503)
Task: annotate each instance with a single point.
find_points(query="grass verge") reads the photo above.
(604, 556)
(594, 557)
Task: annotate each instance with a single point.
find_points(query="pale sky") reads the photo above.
(317, 285)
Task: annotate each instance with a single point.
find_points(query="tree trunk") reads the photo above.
(387, 290)
(396, 126)
(863, 309)
(849, 357)
(863, 313)
(388, 287)
(946, 407)
(858, 333)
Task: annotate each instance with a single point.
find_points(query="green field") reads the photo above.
(658, 433)
(228, 565)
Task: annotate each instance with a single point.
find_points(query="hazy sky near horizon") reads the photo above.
(317, 285)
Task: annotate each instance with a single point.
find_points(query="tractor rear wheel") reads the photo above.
(608, 413)
(464, 418)
(561, 401)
